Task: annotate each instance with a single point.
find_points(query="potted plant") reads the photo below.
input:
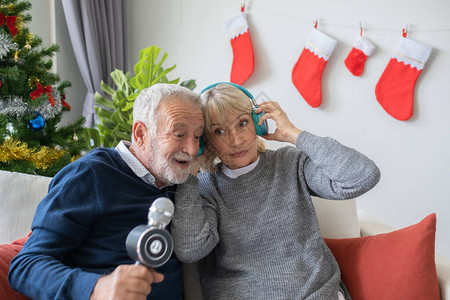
(115, 110)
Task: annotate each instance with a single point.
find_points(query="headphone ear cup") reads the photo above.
(201, 147)
(260, 129)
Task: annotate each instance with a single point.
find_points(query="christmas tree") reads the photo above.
(32, 100)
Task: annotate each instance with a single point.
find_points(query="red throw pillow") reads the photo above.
(395, 265)
(7, 252)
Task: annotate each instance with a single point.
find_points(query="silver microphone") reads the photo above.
(152, 244)
(161, 212)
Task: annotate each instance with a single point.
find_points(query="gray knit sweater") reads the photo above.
(257, 236)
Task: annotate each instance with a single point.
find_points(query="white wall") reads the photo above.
(413, 155)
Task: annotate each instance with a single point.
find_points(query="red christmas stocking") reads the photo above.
(307, 72)
(357, 57)
(395, 89)
(241, 44)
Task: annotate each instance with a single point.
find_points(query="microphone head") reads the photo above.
(160, 212)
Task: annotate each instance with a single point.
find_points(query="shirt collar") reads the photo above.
(135, 165)
(234, 173)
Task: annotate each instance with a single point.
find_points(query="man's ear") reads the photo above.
(139, 133)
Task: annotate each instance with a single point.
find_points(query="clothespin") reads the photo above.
(361, 28)
(405, 30)
(315, 22)
(242, 5)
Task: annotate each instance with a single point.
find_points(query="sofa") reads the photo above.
(376, 261)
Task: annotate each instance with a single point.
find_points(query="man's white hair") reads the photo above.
(145, 108)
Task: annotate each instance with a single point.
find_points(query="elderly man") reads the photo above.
(77, 246)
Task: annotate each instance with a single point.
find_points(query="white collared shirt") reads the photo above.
(234, 173)
(135, 165)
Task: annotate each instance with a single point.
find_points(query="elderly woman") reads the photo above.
(250, 221)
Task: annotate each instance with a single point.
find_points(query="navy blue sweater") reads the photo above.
(80, 228)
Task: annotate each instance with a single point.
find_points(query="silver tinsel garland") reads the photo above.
(16, 107)
(6, 45)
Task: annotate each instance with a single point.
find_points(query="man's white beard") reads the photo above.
(166, 170)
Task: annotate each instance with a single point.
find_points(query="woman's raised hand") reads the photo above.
(285, 131)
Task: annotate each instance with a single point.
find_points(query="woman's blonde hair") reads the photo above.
(217, 102)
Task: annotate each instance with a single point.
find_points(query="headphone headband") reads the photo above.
(260, 129)
(244, 90)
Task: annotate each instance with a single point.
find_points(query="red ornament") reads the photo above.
(63, 101)
(10, 20)
(41, 90)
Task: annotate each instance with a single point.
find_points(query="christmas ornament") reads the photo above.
(41, 89)
(357, 57)
(32, 81)
(6, 45)
(307, 72)
(395, 88)
(37, 123)
(49, 110)
(13, 106)
(9, 20)
(14, 150)
(16, 107)
(10, 8)
(30, 37)
(74, 158)
(18, 151)
(64, 103)
(243, 60)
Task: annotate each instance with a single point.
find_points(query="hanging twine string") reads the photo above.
(358, 25)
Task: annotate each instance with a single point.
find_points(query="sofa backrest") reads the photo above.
(19, 196)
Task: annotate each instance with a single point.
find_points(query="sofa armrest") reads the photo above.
(443, 274)
(371, 226)
(191, 282)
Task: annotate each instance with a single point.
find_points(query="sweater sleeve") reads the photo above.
(334, 171)
(61, 223)
(194, 225)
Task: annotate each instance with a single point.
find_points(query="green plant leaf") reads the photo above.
(100, 100)
(106, 88)
(129, 105)
(190, 84)
(92, 136)
(119, 78)
(116, 114)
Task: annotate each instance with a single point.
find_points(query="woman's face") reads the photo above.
(234, 140)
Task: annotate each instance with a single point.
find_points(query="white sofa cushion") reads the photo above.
(20, 194)
(337, 219)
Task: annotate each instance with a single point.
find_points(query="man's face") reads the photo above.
(179, 127)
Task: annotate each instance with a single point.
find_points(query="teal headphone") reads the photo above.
(260, 129)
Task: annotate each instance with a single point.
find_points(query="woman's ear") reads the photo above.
(139, 133)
